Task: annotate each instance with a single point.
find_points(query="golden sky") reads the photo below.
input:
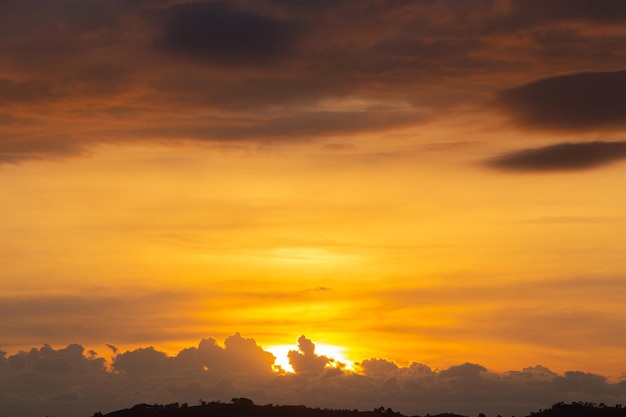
(428, 182)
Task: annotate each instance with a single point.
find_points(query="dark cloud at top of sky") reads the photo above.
(594, 10)
(32, 16)
(577, 101)
(108, 70)
(221, 34)
(32, 382)
(530, 15)
(562, 157)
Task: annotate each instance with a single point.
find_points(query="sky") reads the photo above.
(415, 204)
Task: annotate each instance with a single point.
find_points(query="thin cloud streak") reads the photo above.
(562, 157)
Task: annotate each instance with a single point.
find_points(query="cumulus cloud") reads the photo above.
(304, 360)
(588, 100)
(70, 382)
(239, 356)
(467, 371)
(142, 362)
(562, 157)
(378, 367)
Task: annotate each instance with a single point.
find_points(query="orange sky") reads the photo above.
(428, 182)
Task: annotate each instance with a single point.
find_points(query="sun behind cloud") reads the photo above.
(336, 354)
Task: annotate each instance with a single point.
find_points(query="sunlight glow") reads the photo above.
(282, 361)
(338, 353)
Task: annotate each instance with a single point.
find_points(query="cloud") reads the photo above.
(219, 33)
(590, 100)
(42, 381)
(607, 11)
(304, 360)
(81, 73)
(562, 157)
(142, 362)
(467, 371)
(374, 367)
(239, 356)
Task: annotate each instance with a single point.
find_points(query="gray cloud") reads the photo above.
(114, 72)
(142, 362)
(586, 10)
(562, 157)
(467, 371)
(304, 360)
(67, 382)
(577, 101)
(219, 33)
(378, 367)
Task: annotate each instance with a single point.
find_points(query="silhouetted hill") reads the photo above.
(243, 407)
(580, 409)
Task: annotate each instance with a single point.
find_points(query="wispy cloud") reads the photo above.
(562, 157)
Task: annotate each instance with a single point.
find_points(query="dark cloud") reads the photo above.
(239, 356)
(33, 16)
(609, 11)
(48, 148)
(65, 360)
(219, 33)
(530, 16)
(53, 366)
(562, 157)
(142, 362)
(467, 371)
(79, 73)
(578, 101)
(43, 381)
(304, 360)
(23, 92)
(377, 367)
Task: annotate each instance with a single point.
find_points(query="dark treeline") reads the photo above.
(243, 407)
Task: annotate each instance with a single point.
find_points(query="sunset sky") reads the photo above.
(409, 184)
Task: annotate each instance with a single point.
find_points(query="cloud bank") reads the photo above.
(72, 382)
(77, 73)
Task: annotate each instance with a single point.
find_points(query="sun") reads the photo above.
(337, 353)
